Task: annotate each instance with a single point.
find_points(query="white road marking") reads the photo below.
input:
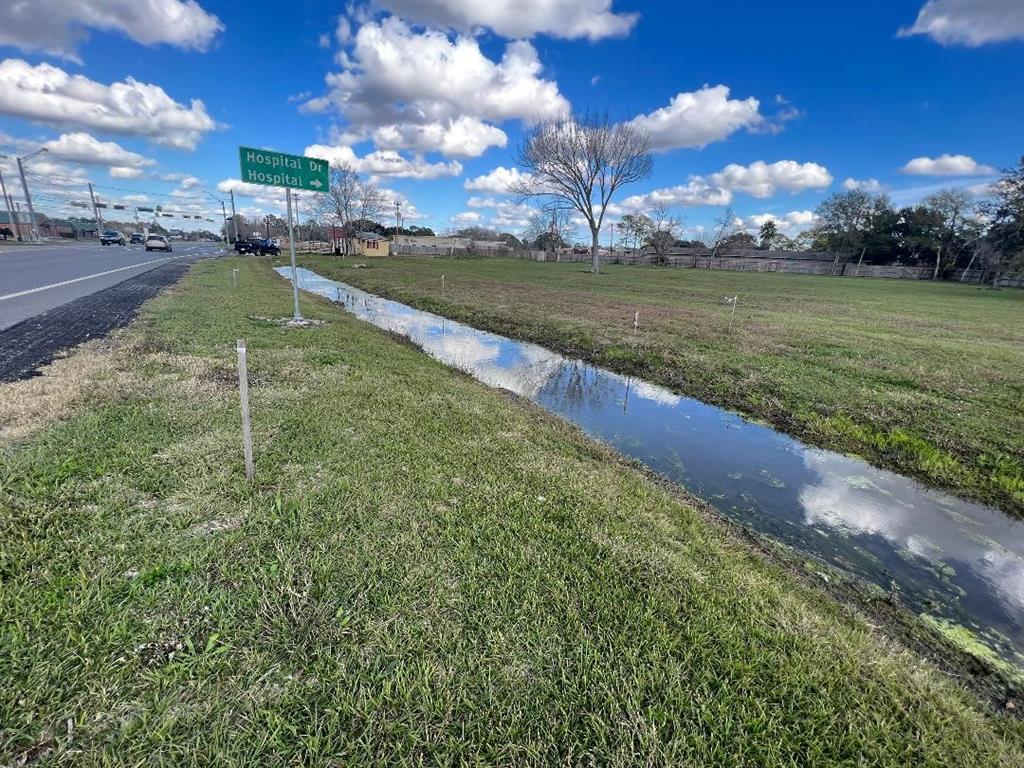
(80, 279)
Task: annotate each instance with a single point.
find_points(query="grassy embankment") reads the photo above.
(926, 379)
(425, 572)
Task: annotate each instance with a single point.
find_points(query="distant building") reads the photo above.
(453, 243)
(370, 244)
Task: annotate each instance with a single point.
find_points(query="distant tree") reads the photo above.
(769, 234)
(953, 207)
(549, 229)
(919, 230)
(582, 161)
(846, 219)
(634, 229)
(349, 199)
(1004, 246)
(510, 240)
(739, 241)
(662, 233)
(367, 225)
(726, 226)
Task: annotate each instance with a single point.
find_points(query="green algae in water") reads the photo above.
(967, 641)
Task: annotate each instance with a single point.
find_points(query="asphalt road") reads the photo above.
(35, 279)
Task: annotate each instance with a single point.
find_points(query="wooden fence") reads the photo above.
(801, 262)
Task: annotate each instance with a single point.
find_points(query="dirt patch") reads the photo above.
(55, 391)
(230, 523)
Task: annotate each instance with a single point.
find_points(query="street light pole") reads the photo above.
(96, 212)
(28, 200)
(224, 213)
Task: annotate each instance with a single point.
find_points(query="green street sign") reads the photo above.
(276, 169)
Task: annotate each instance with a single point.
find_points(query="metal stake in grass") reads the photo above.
(442, 286)
(636, 325)
(734, 300)
(243, 392)
(234, 279)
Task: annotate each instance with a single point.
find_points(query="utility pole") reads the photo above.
(7, 205)
(28, 200)
(397, 212)
(224, 213)
(266, 219)
(96, 211)
(234, 216)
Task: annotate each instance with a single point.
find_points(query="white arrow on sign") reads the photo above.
(316, 183)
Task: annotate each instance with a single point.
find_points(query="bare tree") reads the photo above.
(725, 228)
(549, 229)
(665, 227)
(349, 199)
(582, 160)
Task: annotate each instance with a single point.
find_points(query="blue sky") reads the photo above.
(767, 109)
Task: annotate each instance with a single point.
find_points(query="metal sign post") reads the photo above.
(277, 169)
(291, 247)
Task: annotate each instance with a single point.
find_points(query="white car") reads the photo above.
(157, 243)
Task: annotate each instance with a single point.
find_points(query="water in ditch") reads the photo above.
(959, 562)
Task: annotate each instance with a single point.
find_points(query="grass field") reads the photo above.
(425, 572)
(926, 379)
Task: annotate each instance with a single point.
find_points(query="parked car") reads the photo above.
(111, 237)
(157, 243)
(136, 238)
(257, 246)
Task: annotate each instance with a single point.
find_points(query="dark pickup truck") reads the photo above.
(259, 247)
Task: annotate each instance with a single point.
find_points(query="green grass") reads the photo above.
(923, 378)
(425, 572)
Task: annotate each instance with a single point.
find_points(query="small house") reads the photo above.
(370, 244)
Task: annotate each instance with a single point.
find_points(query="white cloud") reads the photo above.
(789, 224)
(697, 118)
(80, 147)
(498, 181)
(505, 214)
(409, 210)
(590, 19)
(185, 180)
(48, 94)
(396, 78)
(466, 217)
(946, 165)
(58, 27)
(462, 137)
(697, 191)
(135, 198)
(268, 197)
(969, 22)
(866, 185)
(126, 172)
(761, 179)
(385, 163)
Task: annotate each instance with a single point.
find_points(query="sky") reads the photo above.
(767, 107)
